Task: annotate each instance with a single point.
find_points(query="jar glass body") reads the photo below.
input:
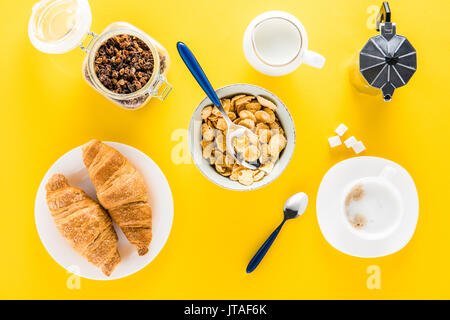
(157, 85)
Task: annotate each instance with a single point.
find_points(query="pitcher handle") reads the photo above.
(313, 59)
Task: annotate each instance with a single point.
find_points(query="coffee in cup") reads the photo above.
(372, 206)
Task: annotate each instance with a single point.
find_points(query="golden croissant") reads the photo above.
(84, 223)
(122, 191)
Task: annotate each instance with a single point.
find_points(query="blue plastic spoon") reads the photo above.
(293, 208)
(234, 131)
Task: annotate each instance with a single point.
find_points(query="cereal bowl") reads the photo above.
(195, 138)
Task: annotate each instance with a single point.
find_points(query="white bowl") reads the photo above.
(195, 137)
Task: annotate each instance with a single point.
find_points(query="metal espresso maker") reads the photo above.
(388, 60)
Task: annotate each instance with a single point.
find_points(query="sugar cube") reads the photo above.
(334, 141)
(358, 147)
(341, 129)
(350, 142)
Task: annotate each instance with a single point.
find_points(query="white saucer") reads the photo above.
(71, 165)
(328, 205)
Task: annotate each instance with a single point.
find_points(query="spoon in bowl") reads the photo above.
(233, 130)
(294, 207)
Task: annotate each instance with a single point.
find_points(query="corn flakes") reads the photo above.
(265, 143)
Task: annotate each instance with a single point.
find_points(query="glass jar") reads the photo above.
(58, 26)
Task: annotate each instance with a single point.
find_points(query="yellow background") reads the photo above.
(47, 109)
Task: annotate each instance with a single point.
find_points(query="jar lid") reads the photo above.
(58, 26)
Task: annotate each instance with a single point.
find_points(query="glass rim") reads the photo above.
(255, 49)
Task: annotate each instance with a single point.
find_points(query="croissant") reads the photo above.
(84, 223)
(122, 191)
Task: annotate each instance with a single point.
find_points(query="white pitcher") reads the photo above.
(276, 43)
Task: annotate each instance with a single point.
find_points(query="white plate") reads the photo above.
(160, 198)
(328, 205)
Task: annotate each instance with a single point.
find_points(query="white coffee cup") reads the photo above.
(276, 43)
(372, 207)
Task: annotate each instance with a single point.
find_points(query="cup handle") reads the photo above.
(313, 59)
(388, 173)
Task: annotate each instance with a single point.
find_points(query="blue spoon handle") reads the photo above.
(263, 250)
(197, 72)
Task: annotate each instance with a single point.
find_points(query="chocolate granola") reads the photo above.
(124, 64)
